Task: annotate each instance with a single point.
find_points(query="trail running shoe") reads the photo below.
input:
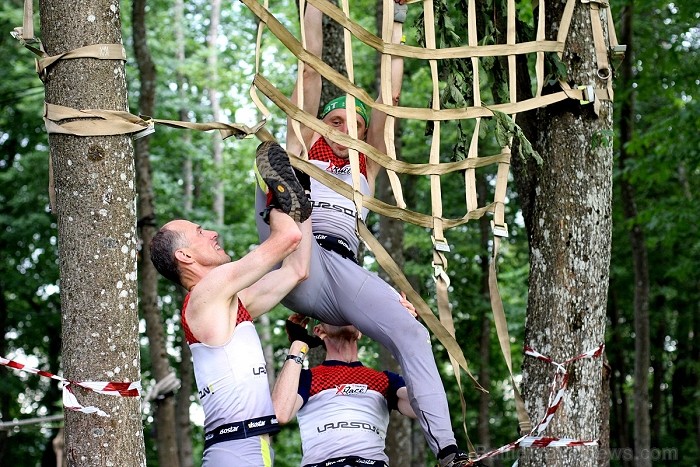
(459, 459)
(284, 190)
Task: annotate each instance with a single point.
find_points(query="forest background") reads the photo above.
(656, 143)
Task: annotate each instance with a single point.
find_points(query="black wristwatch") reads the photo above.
(297, 358)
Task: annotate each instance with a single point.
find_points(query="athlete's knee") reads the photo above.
(409, 329)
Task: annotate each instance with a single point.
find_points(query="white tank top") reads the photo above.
(334, 214)
(232, 378)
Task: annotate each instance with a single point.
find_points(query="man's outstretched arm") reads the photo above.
(375, 132)
(313, 28)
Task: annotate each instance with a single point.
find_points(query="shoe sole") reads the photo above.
(274, 167)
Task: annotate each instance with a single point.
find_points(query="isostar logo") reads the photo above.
(231, 429)
(257, 424)
(350, 389)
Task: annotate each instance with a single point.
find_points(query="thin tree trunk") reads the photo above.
(166, 440)
(186, 370)
(213, 89)
(642, 434)
(183, 404)
(569, 228)
(620, 410)
(4, 395)
(483, 431)
(187, 177)
(95, 194)
(398, 439)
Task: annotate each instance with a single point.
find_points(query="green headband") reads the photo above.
(339, 103)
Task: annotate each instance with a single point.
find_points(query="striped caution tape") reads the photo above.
(534, 439)
(70, 402)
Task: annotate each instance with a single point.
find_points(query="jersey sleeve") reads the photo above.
(304, 385)
(396, 382)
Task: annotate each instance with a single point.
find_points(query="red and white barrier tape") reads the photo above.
(70, 402)
(559, 381)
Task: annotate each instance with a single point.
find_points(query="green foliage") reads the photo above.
(507, 130)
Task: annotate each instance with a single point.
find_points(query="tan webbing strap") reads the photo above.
(389, 29)
(442, 281)
(539, 65)
(504, 337)
(25, 33)
(429, 54)
(421, 113)
(28, 23)
(500, 229)
(98, 51)
(264, 111)
(286, 105)
(564, 23)
(351, 123)
(601, 52)
(96, 122)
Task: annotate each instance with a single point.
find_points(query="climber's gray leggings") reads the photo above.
(340, 292)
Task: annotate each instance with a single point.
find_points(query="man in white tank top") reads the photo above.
(223, 298)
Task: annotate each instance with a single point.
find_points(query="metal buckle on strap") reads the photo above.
(618, 51)
(588, 93)
(500, 230)
(439, 272)
(151, 128)
(440, 244)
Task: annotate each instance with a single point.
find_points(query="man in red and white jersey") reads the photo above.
(223, 298)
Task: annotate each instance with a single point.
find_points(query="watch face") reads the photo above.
(297, 358)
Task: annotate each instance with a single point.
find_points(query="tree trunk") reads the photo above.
(184, 401)
(96, 212)
(166, 440)
(186, 370)
(4, 395)
(483, 432)
(398, 437)
(187, 177)
(569, 229)
(642, 434)
(620, 410)
(213, 91)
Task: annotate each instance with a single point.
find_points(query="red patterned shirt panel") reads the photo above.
(321, 151)
(340, 377)
(243, 315)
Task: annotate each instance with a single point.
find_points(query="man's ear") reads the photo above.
(183, 256)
